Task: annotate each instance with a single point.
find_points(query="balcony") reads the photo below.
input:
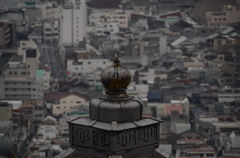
(7, 30)
(7, 41)
(18, 85)
(7, 35)
(17, 97)
(17, 92)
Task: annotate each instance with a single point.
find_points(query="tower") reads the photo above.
(115, 127)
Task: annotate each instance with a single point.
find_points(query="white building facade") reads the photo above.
(72, 23)
(86, 65)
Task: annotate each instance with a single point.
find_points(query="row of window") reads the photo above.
(15, 73)
(115, 17)
(77, 102)
(219, 19)
(38, 115)
(229, 97)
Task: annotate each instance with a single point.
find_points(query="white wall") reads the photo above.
(66, 104)
(228, 97)
(73, 24)
(87, 66)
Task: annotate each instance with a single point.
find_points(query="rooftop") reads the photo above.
(169, 108)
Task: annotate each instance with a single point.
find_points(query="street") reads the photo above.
(50, 57)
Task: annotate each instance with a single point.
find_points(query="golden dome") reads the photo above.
(116, 78)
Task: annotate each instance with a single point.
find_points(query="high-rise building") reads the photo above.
(73, 21)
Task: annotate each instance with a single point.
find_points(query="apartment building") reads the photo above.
(21, 79)
(106, 28)
(202, 6)
(229, 95)
(49, 10)
(8, 35)
(75, 66)
(62, 103)
(72, 23)
(50, 32)
(121, 18)
(197, 152)
(229, 14)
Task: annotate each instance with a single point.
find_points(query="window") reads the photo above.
(89, 62)
(210, 155)
(78, 102)
(28, 66)
(15, 72)
(104, 62)
(34, 89)
(58, 107)
(63, 101)
(76, 68)
(10, 72)
(23, 73)
(198, 137)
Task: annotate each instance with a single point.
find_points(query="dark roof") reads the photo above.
(63, 83)
(3, 104)
(154, 95)
(198, 110)
(230, 130)
(191, 131)
(101, 4)
(17, 58)
(218, 108)
(31, 53)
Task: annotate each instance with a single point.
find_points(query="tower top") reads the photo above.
(115, 78)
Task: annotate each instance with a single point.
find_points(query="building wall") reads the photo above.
(122, 19)
(228, 97)
(21, 88)
(48, 10)
(5, 112)
(47, 78)
(110, 27)
(66, 104)
(31, 103)
(147, 76)
(202, 6)
(86, 65)
(25, 45)
(73, 24)
(220, 43)
(50, 32)
(230, 14)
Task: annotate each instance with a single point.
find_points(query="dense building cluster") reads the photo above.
(183, 57)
